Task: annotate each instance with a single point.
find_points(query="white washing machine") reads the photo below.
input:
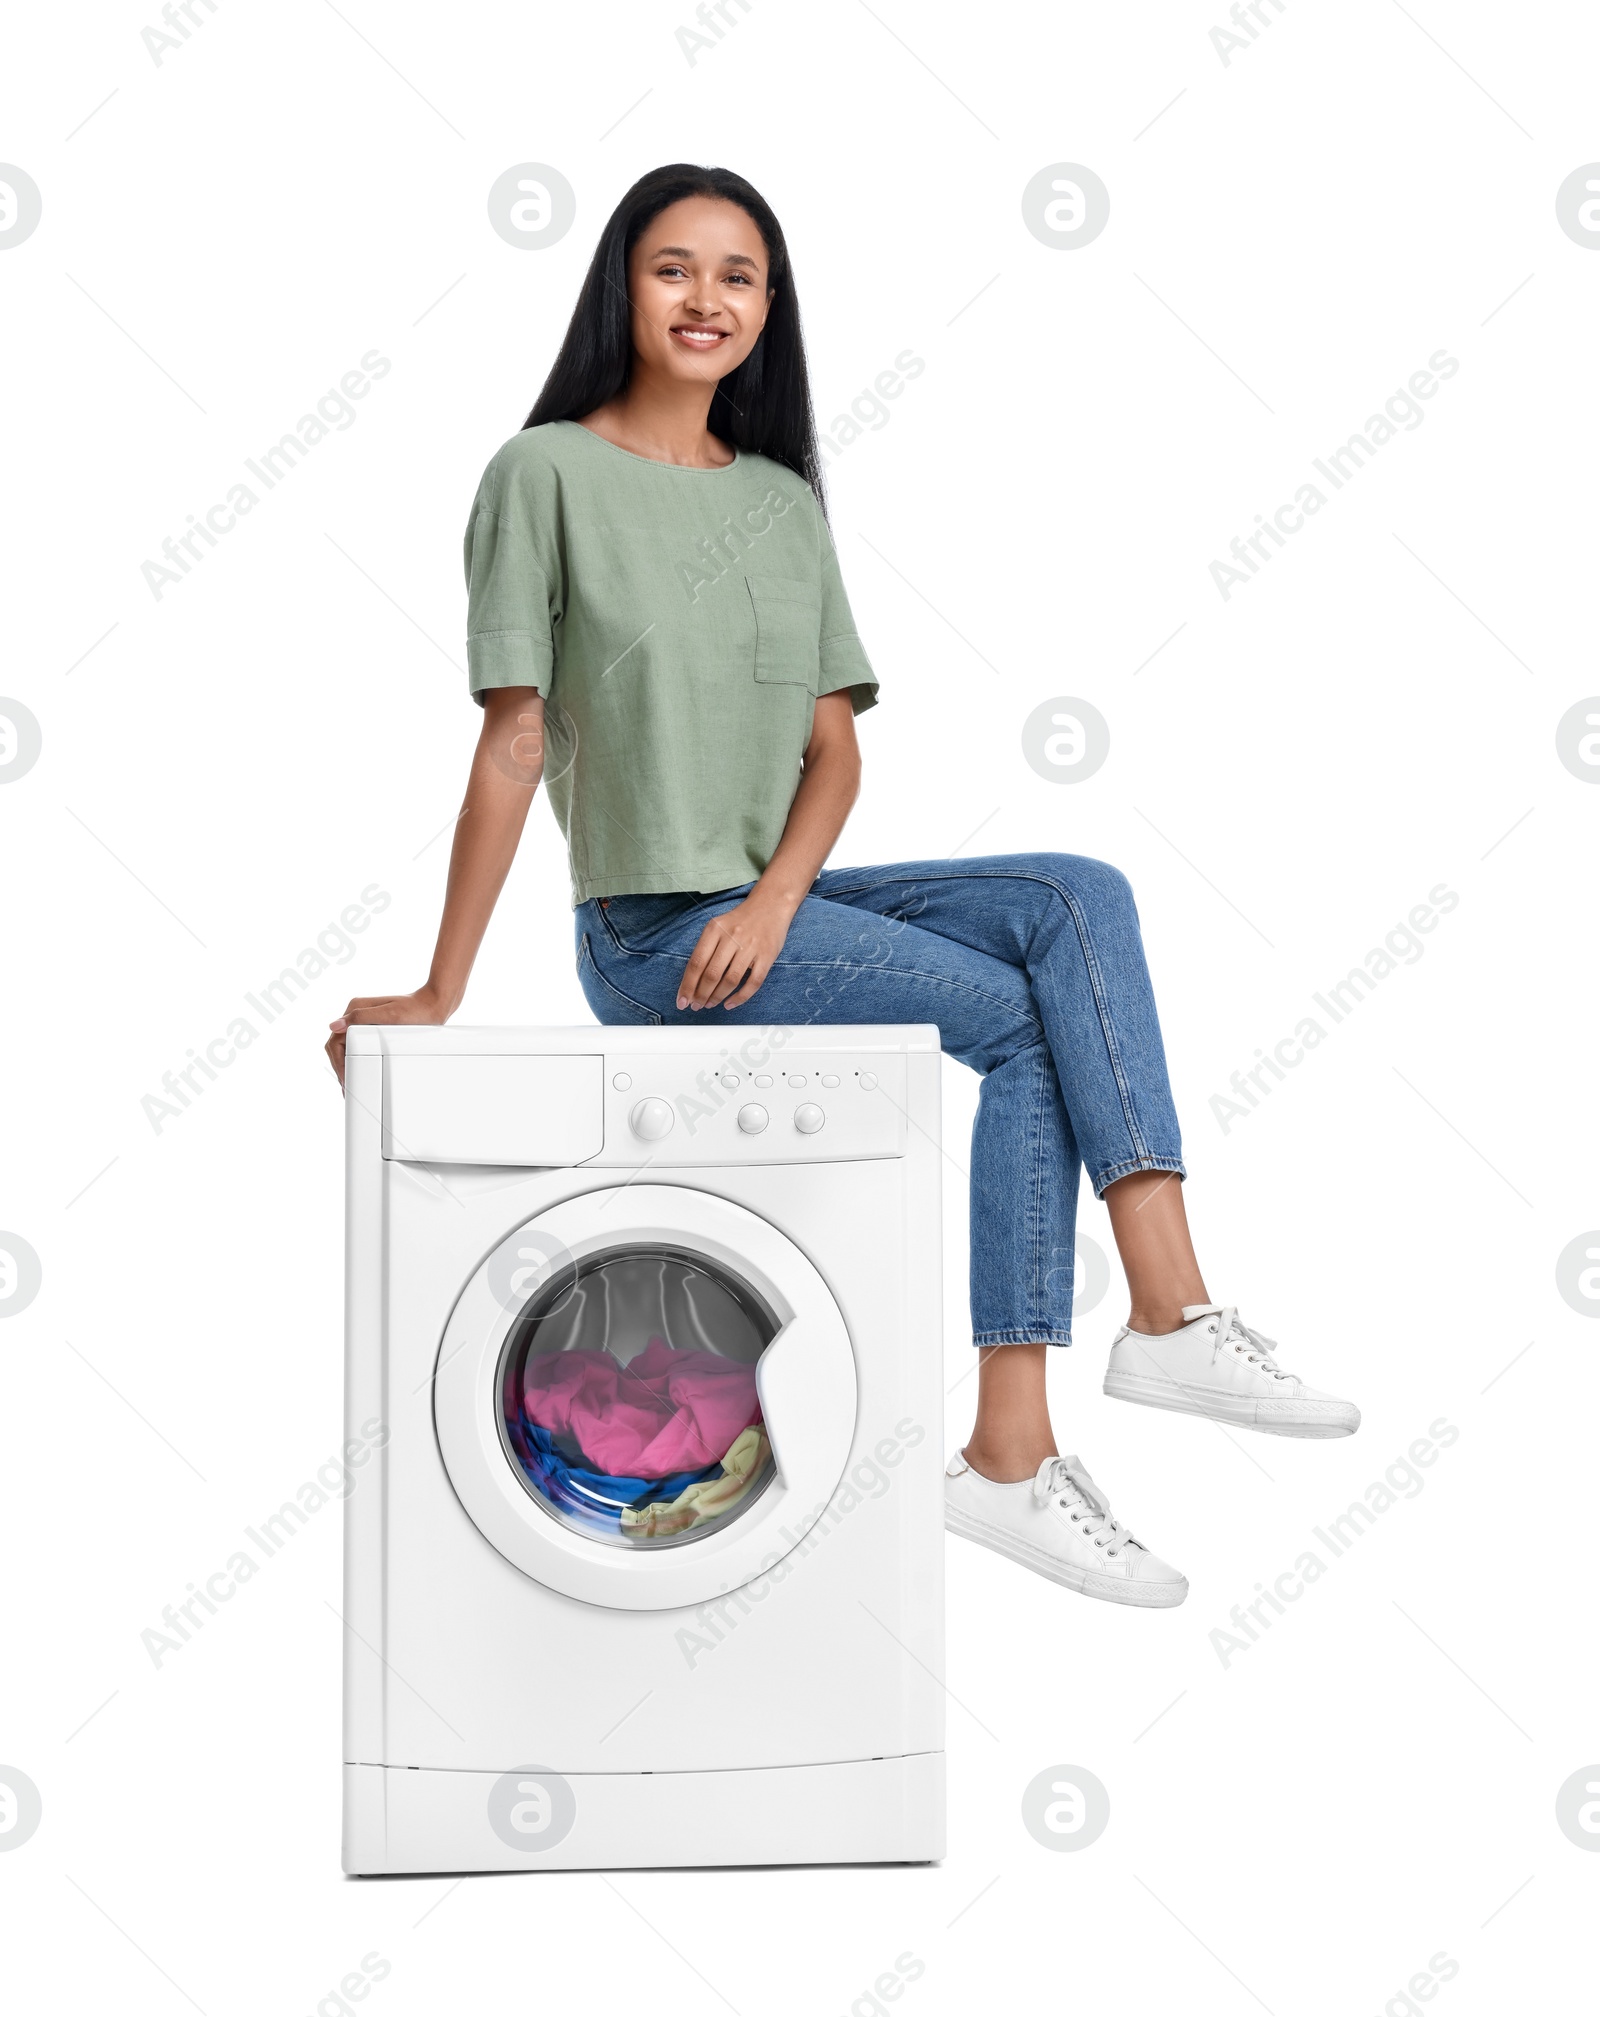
(643, 1564)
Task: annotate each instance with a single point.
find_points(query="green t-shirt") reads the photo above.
(680, 624)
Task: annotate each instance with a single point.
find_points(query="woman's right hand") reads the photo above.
(425, 1006)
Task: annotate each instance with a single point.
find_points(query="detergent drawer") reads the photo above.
(527, 1112)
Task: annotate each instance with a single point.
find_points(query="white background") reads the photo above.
(226, 768)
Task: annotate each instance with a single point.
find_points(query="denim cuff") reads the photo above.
(1036, 1335)
(1102, 1178)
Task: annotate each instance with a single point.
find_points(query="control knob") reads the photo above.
(651, 1120)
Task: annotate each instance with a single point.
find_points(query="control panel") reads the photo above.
(752, 1104)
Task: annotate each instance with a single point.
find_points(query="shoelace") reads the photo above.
(1066, 1481)
(1256, 1348)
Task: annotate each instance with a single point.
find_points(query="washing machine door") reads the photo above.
(645, 1396)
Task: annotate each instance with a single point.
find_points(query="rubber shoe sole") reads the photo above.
(1111, 1589)
(1316, 1419)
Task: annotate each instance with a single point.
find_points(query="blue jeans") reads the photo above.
(1033, 969)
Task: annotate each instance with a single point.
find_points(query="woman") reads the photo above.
(659, 631)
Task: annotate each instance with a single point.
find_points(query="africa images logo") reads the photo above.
(1402, 411)
(719, 556)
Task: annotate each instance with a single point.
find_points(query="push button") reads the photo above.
(622, 1082)
(808, 1119)
(869, 1082)
(763, 1078)
(651, 1120)
(752, 1119)
(830, 1079)
(728, 1082)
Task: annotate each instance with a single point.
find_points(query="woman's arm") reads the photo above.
(506, 768)
(736, 950)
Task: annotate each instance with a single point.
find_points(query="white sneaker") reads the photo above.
(1060, 1524)
(1217, 1367)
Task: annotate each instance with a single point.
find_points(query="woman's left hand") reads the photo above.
(735, 951)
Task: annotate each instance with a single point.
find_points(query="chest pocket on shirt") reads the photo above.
(788, 625)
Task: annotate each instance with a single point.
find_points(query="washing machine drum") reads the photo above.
(645, 1396)
(628, 1397)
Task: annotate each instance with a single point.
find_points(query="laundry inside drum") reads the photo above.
(627, 1397)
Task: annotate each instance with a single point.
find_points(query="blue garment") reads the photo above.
(599, 1498)
(1033, 968)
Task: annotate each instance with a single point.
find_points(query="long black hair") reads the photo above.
(763, 404)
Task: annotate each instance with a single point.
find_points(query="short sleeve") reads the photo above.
(513, 588)
(844, 661)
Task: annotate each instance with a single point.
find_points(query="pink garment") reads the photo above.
(665, 1411)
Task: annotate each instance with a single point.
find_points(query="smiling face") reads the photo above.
(698, 282)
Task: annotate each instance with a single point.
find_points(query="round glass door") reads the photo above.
(627, 1396)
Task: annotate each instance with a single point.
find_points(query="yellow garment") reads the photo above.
(706, 1500)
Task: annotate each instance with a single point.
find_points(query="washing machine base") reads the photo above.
(401, 1821)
